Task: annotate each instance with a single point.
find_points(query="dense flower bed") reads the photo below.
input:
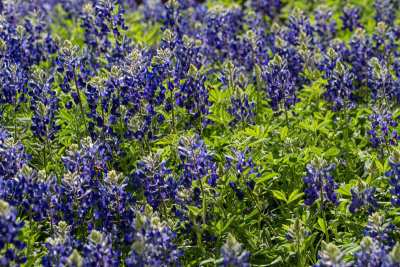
(137, 133)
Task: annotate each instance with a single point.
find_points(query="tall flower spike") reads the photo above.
(320, 183)
(233, 254)
(330, 256)
(362, 196)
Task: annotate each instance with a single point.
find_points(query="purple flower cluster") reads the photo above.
(320, 184)
(362, 196)
(245, 172)
(152, 242)
(233, 254)
(9, 229)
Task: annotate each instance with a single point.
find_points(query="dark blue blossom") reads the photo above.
(362, 197)
(233, 254)
(9, 229)
(152, 242)
(197, 161)
(244, 170)
(350, 18)
(320, 184)
(99, 252)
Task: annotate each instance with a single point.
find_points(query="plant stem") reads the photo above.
(323, 215)
(142, 117)
(346, 130)
(120, 112)
(80, 101)
(201, 186)
(15, 122)
(259, 211)
(286, 116)
(172, 104)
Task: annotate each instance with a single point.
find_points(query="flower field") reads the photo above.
(192, 133)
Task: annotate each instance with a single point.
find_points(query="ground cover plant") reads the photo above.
(255, 133)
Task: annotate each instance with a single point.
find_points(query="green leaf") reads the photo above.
(266, 177)
(195, 210)
(219, 226)
(319, 116)
(323, 81)
(344, 190)
(321, 224)
(252, 214)
(279, 195)
(293, 196)
(215, 118)
(331, 152)
(228, 223)
(284, 133)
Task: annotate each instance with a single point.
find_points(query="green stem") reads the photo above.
(141, 116)
(172, 105)
(80, 101)
(346, 130)
(15, 122)
(323, 215)
(259, 211)
(201, 186)
(286, 116)
(120, 111)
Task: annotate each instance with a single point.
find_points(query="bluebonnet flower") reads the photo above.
(280, 84)
(378, 229)
(44, 123)
(393, 257)
(193, 95)
(60, 247)
(299, 29)
(298, 232)
(340, 88)
(163, 67)
(98, 95)
(271, 8)
(350, 18)
(380, 81)
(113, 197)
(220, 32)
(155, 178)
(320, 184)
(385, 46)
(394, 174)
(67, 59)
(233, 254)
(14, 89)
(197, 161)
(99, 252)
(114, 85)
(99, 19)
(361, 51)
(362, 196)
(371, 254)
(254, 45)
(325, 26)
(12, 153)
(385, 10)
(152, 242)
(242, 110)
(9, 229)
(197, 165)
(331, 256)
(382, 129)
(84, 159)
(244, 170)
(89, 188)
(140, 97)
